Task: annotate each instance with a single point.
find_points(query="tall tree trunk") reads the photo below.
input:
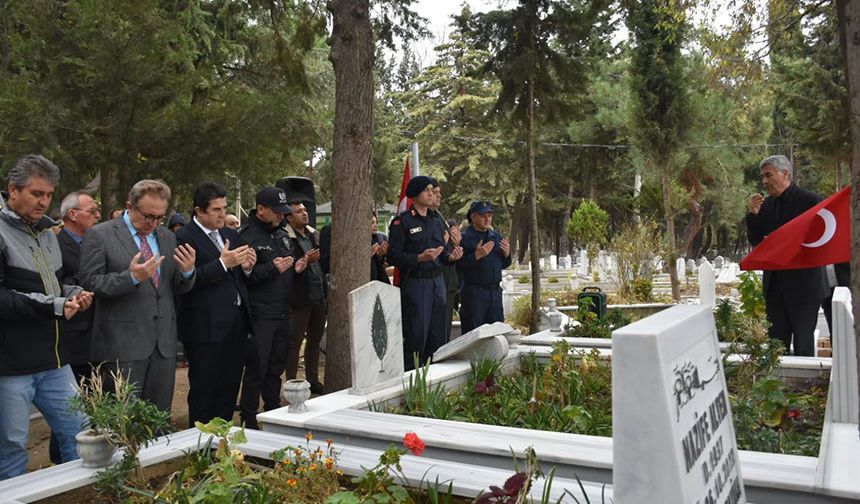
(108, 189)
(670, 228)
(564, 239)
(534, 240)
(848, 13)
(352, 56)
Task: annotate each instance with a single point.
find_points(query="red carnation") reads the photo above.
(414, 443)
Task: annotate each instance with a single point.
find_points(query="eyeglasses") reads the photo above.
(93, 210)
(151, 219)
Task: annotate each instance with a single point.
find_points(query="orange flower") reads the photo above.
(313, 467)
(309, 436)
(414, 443)
(329, 463)
(292, 482)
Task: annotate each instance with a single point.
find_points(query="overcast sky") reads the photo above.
(439, 12)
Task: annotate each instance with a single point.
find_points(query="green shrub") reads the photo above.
(642, 290)
(524, 279)
(552, 280)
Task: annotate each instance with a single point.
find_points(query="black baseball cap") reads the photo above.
(274, 198)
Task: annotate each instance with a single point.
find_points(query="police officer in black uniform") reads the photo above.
(417, 247)
(485, 255)
(270, 285)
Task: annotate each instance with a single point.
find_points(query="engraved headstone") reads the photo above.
(673, 435)
(719, 261)
(376, 337)
(582, 268)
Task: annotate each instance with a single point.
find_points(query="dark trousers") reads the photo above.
(797, 319)
(154, 377)
(214, 373)
(481, 305)
(422, 305)
(265, 360)
(308, 325)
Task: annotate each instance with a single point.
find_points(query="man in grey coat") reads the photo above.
(135, 268)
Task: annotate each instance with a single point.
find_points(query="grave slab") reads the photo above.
(707, 285)
(462, 345)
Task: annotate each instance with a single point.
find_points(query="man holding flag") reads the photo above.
(794, 284)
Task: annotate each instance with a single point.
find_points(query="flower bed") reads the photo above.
(574, 397)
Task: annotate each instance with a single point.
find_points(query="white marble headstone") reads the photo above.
(843, 396)
(719, 261)
(681, 268)
(691, 265)
(566, 262)
(462, 347)
(553, 262)
(729, 273)
(582, 269)
(707, 285)
(673, 435)
(376, 337)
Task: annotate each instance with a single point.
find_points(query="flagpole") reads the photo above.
(415, 167)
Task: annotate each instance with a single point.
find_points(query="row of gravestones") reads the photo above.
(673, 435)
(725, 271)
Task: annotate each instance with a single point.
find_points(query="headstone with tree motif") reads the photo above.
(376, 337)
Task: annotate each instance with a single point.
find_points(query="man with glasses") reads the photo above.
(485, 255)
(79, 212)
(136, 269)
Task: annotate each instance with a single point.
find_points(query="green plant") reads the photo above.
(300, 475)
(590, 326)
(752, 295)
(642, 288)
(130, 423)
(634, 247)
(587, 226)
(524, 279)
(423, 398)
(552, 280)
(386, 482)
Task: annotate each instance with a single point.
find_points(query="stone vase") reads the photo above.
(296, 392)
(94, 449)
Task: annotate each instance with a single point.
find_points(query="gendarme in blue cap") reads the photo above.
(481, 207)
(418, 184)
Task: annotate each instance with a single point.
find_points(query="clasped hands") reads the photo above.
(77, 303)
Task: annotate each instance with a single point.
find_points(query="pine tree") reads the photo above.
(379, 332)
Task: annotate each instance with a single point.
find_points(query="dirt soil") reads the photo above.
(40, 433)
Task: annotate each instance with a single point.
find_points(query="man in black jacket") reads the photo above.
(792, 297)
(270, 286)
(32, 301)
(214, 318)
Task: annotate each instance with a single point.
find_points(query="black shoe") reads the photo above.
(316, 387)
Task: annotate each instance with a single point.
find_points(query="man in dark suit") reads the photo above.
(135, 268)
(214, 317)
(792, 297)
(79, 212)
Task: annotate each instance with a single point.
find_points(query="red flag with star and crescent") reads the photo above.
(403, 204)
(817, 237)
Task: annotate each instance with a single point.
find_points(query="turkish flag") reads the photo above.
(403, 203)
(817, 237)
